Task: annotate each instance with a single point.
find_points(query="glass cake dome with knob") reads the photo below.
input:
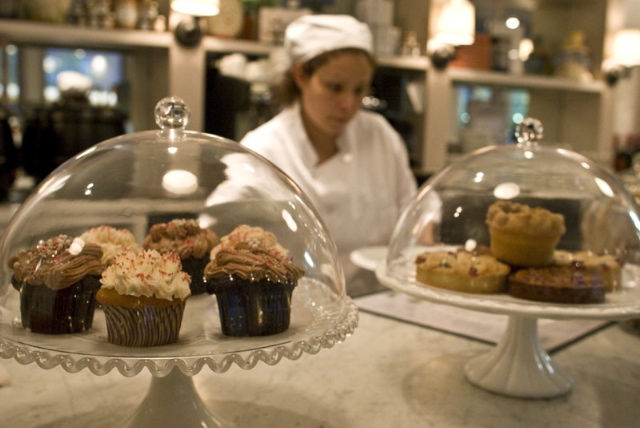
(137, 180)
(451, 209)
(524, 230)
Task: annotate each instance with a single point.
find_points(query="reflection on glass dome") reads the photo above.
(596, 223)
(138, 180)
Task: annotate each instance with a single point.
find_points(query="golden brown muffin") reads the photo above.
(521, 235)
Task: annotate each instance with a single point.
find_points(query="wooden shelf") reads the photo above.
(41, 33)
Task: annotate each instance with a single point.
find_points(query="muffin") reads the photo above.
(143, 297)
(523, 236)
(570, 284)
(253, 284)
(462, 271)
(187, 239)
(57, 279)
(608, 266)
(112, 241)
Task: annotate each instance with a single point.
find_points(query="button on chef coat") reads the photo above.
(360, 191)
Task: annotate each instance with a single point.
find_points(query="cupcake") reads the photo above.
(143, 297)
(112, 241)
(187, 239)
(524, 236)
(253, 282)
(57, 279)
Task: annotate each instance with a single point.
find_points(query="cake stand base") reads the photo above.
(173, 401)
(519, 366)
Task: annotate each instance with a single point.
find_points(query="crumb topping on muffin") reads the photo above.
(462, 262)
(521, 218)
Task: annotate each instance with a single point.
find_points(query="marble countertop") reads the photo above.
(388, 374)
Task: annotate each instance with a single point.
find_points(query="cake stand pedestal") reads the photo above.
(173, 401)
(518, 366)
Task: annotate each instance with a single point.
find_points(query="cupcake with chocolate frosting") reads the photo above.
(253, 283)
(58, 279)
(189, 241)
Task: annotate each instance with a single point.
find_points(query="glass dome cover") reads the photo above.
(450, 213)
(137, 180)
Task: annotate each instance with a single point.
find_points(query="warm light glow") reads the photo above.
(626, 47)
(457, 23)
(196, 7)
(180, 182)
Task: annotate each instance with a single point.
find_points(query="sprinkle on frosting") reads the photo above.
(253, 264)
(255, 237)
(112, 241)
(149, 274)
(184, 237)
(56, 262)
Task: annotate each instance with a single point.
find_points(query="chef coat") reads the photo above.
(360, 191)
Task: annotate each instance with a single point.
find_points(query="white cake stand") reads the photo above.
(319, 320)
(518, 366)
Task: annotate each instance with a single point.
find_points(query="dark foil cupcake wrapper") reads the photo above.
(143, 327)
(69, 310)
(195, 268)
(252, 308)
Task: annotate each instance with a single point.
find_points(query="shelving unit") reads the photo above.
(575, 114)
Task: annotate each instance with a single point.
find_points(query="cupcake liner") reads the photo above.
(143, 327)
(195, 268)
(252, 308)
(69, 310)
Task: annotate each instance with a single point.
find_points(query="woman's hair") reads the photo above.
(288, 92)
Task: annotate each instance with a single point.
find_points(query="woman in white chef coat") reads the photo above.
(351, 163)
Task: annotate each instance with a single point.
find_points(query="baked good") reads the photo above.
(608, 266)
(186, 238)
(256, 236)
(143, 297)
(521, 235)
(112, 241)
(57, 280)
(558, 284)
(462, 271)
(253, 285)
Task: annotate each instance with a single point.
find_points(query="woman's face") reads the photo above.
(332, 95)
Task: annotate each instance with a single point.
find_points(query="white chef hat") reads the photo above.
(312, 35)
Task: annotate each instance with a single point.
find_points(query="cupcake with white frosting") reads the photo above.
(112, 241)
(143, 296)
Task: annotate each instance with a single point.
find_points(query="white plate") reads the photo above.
(369, 257)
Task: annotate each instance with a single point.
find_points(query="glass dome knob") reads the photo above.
(529, 132)
(172, 114)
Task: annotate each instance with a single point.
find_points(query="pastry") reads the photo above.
(112, 241)
(143, 297)
(187, 239)
(558, 284)
(57, 280)
(523, 236)
(462, 271)
(608, 267)
(253, 284)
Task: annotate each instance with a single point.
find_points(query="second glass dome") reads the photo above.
(450, 213)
